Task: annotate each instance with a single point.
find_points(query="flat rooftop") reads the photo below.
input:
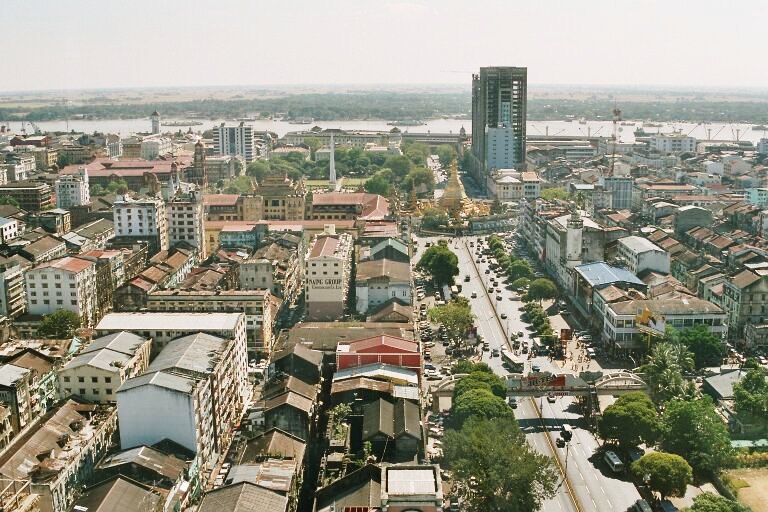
(169, 321)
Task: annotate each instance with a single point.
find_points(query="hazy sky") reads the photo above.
(52, 44)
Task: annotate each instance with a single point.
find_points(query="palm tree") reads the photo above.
(663, 372)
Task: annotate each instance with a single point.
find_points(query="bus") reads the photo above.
(613, 461)
(509, 363)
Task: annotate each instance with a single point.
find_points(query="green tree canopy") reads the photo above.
(554, 193)
(496, 469)
(432, 218)
(479, 403)
(630, 421)
(258, 169)
(447, 155)
(707, 349)
(457, 318)
(400, 165)
(693, 430)
(418, 178)
(541, 289)
(59, 324)
(117, 187)
(441, 263)
(481, 380)
(520, 269)
(378, 184)
(520, 283)
(751, 395)
(666, 473)
(417, 153)
(710, 502)
(663, 371)
(467, 366)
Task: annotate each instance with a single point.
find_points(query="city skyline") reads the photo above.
(395, 42)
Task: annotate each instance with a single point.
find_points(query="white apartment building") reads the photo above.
(144, 218)
(153, 147)
(9, 229)
(679, 311)
(73, 189)
(186, 221)
(99, 369)
(377, 281)
(13, 295)
(640, 254)
(505, 185)
(193, 393)
(673, 143)
(499, 148)
(327, 276)
(164, 327)
(531, 185)
(235, 141)
(66, 283)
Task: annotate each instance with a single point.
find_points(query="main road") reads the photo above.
(594, 486)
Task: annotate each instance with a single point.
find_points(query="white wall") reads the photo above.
(148, 414)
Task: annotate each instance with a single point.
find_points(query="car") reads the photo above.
(446, 343)
(560, 442)
(503, 316)
(433, 376)
(423, 307)
(512, 401)
(535, 368)
(466, 278)
(486, 347)
(519, 334)
(487, 271)
(429, 344)
(551, 398)
(499, 297)
(430, 366)
(495, 352)
(566, 432)
(427, 356)
(474, 295)
(525, 349)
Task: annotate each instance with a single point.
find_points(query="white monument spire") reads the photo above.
(332, 177)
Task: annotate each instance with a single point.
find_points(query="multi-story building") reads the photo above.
(98, 370)
(378, 281)
(15, 384)
(673, 143)
(154, 147)
(382, 349)
(229, 207)
(144, 219)
(186, 221)
(283, 198)
(327, 276)
(499, 97)
(164, 327)
(167, 269)
(56, 221)
(31, 195)
(67, 283)
(620, 326)
(347, 206)
(57, 456)
(192, 393)
(620, 188)
(275, 267)
(73, 189)
(259, 307)
(9, 229)
(640, 254)
(531, 185)
(236, 141)
(13, 294)
(745, 299)
(43, 382)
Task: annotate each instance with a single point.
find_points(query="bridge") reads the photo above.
(588, 383)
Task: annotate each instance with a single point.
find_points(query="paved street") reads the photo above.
(595, 487)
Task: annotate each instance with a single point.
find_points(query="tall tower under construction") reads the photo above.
(499, 97)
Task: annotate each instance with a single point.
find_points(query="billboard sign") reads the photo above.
(651, 323)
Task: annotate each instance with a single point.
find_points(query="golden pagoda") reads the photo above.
(454, 196)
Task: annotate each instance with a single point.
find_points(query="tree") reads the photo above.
(496, 207)
(707, 349)
(519, 284)
(630, 421)
(441, 263)
(60, 324)
(447, 154)
(117, 187)
(751, 396)
(419, 178)
(456, 317)
(481, 380)
(400, 165)
(710, 502)
(7, 200)
(541, 289)
(520, 269)
(258, 170)
(666, 473)
(663, 371)
(378, 184)
(432, 218)
(417, 153)
(693, 430)
(496, 469)
(478, 403)
(97, 190)
(313, 143)
(554, 193)
(467, 366)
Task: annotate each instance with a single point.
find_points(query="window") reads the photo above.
(67, 379)
(81, 379)
(108, 380)
(94, 379)
(108, 391)
(82, 391)
(95, 391)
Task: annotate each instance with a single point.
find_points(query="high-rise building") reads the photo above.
(186, 221)
(499, 97)
(155, 117)
(237, 140)
(142, 219)
(73, 189)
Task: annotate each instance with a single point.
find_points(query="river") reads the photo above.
(125, 127)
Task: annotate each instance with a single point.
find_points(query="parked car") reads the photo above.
(503, 316)
(495, 352)
(474, 295)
